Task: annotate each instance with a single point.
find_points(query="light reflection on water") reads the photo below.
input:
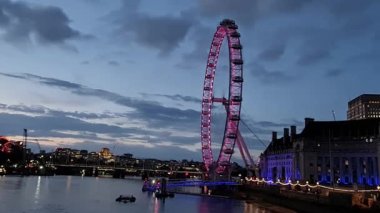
(37, 192)
(71, 194)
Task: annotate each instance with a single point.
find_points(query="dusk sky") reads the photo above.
(128, 75)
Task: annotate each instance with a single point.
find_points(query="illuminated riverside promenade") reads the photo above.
(306, 197)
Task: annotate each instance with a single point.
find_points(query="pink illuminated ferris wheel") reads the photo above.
(226, 29)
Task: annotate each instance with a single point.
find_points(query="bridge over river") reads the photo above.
(119, 172)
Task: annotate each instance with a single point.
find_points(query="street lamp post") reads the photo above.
(331, 164)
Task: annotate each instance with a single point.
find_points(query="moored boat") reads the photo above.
(151, 186)
(125, 198)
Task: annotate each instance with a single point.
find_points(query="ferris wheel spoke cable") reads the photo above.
(254, 134)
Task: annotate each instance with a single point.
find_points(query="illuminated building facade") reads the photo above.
(277, 160)
(105, 153)
(342, 152)
(364, 106)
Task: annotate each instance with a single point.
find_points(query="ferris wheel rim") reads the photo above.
(226, 29)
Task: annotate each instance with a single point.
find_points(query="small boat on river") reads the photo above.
(125, 198)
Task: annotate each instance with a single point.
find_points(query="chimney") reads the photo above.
(274, 136)
(308, 120)
(293, 132)
(286, 135)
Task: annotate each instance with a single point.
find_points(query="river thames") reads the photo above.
(72, 194)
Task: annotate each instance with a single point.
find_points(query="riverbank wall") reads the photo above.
(309, 201)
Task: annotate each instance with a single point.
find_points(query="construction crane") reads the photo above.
(24, 155)
(38, 144)
(333, 113)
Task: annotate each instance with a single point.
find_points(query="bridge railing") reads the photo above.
(201, 183)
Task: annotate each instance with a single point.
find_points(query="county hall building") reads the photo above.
(340, 152)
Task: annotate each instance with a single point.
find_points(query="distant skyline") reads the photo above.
(128, 74)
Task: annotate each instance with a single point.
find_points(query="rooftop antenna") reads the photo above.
(333, 113)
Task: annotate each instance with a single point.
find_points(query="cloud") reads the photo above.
(350, 21)
(260, 72)
(247, 12)
(153, 116)
(263, 127)
(176, 97)
(74, 133)
(55, 125)
(370, 56)
(344, 8)
(312, 44)
(272, 53)
(287, 6)
(43, 125)
(334, 72)
(113, 63)
(168, 32)
(311, 32)
(313, 56)
(162, 128)
(94, 1)
(24, 109)
(162, 152)
(163, 33)
(151, 112)
(61, 130)
(243, 11)
(22, 22)
(201, 36)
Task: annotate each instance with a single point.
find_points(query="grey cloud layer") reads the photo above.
(248, 12)
(22, 21)
(272, 53)
(316, 37)
(305, 34)
(176, 97)
(60, 124)
(41, 110)
(54, 123)
(153, 112)
(163, 33)
(266, 76)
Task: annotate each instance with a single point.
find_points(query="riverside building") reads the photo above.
(364, 106)
(339, 152)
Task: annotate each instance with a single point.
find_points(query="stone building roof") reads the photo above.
(322, 130)
(342, 129)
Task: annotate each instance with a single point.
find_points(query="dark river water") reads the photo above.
(71, 194)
